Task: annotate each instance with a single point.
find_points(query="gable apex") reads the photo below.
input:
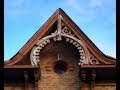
(45, 28)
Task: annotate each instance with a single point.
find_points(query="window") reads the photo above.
(60, 67)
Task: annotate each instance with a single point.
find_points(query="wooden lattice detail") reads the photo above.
(62, 31)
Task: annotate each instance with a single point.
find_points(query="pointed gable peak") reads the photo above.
(74, 35)
(59, 10)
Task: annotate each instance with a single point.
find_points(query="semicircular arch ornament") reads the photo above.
(62, 31)
(57, 36)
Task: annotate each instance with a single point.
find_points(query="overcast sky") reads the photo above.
(96, 18)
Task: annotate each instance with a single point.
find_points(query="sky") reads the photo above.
(23, 18)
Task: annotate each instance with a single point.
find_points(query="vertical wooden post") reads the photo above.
(93, 76)
(36, 77)
(83, 77)
(26, 77)
(59, 27)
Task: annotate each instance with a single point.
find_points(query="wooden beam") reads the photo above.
(78, 32)
(98, 66)
(59, 27)
(26, 77)
(36, 76)
(21, 66)
(31, 42)
(83, 78)
(93, 76)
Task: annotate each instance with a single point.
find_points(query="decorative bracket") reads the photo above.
(83, 75)
(83, 78)
(26, 77)
(63, 31)
(93, 76)
(36, 77)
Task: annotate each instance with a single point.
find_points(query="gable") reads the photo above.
(48, 30)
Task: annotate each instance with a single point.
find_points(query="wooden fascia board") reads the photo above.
(39, 35)
(99, 66)
(78, 32)
(20, 66)
(13, 60)
(31, 42)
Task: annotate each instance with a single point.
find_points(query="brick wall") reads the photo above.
(69, 80)
(50, 80)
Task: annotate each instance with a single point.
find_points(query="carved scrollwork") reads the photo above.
(79, 47)
(93, 60)
(34, 57)
(57, 36)
(67, 31)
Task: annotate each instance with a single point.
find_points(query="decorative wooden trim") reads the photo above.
(26, 80)
(20, 66)
(93, 76)
(31, 42)
(83, 78)
(36, 77)
(85, 39)
(26, 76)
(59, 27)
(78, 32)
(57, 36)
(98, 66)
